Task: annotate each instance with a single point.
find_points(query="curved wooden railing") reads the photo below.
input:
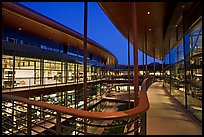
(137, 111)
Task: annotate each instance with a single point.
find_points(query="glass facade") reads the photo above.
(183, 75)
(34, 72)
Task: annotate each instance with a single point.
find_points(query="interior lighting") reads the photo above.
(150, 29)
(19, 29)
(148, 12)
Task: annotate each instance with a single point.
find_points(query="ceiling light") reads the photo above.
(148, 12)
(19, 29)
(176, 25)
(150, 29)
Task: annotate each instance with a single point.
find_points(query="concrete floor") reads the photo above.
(165, 117)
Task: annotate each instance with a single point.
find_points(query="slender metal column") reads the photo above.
(169, 67)
(85, 59)
(154, 65)
(75, 75)
(143, 62)
(41, 71)
(128, 72)
(35, 75)
(163, 71)
(146, 53)
(77, 80)
(14, 60)
(135, 46)
(62, 72)
(100, 79)
(184, 51)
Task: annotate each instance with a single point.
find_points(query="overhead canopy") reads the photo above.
(120, 13)
(18, 16)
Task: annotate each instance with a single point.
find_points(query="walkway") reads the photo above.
(165, 117)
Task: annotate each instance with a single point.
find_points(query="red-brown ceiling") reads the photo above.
(120, 13)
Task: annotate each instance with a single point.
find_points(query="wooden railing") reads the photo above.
(74, 117)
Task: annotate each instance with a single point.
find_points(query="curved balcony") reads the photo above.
(66, 121)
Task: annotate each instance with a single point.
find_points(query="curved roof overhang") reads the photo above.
(192, 13)
(19, 16)
(120, 13)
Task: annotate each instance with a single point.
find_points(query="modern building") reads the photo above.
(57, 81)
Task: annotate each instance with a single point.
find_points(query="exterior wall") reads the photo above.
(30, 60)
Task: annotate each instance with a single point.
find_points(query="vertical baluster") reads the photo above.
(58, 123)
(29, 115)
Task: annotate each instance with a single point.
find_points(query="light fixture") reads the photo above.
(176, 25)
(150, 29)
(19, 29)
(148, 12)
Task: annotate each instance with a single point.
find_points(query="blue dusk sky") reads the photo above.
(100, 28)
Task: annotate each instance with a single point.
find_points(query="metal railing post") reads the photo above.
(144, 124)
(58, 123)
(29, 114)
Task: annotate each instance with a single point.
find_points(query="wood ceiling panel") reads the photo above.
(120, 14)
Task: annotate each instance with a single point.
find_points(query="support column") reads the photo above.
(146, 53)
(143, 70)
(100, 79)
(85, 60)
(62, 72)
(128, 72)
(77, 80)
(184, 51)
(35, 75)
(135, 46)
(163, 71)
(65, 71)
(169, 68)
(91, 72)
(41, 71)
(75, 75)
(154, 65)
(14, 60)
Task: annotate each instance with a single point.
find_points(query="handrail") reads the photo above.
(141, 108)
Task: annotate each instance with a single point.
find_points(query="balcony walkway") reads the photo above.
(165, 117)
